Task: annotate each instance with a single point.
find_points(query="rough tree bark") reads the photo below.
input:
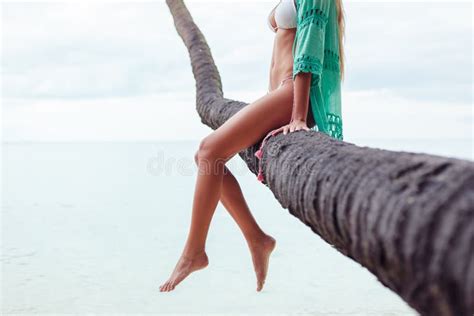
(406, 217)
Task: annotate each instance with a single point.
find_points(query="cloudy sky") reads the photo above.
(118, 70)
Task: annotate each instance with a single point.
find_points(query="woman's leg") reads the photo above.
(259, 243)
(242, 130)
(234, 202)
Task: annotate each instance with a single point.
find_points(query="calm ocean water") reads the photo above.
(97, 227)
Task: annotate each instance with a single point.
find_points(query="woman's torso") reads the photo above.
(282, 20)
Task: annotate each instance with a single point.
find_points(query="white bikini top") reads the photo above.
(285, 15)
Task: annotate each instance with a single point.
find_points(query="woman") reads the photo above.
(304, 90)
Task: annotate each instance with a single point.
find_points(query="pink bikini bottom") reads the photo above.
(282, 82)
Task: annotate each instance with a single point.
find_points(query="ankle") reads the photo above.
(193, 253)
(257, 239)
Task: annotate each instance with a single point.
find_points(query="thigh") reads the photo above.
(253, 122)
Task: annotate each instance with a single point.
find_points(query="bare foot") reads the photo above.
(261, 251)
(184, 267)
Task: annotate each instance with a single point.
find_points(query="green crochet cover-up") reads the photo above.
(316, 50)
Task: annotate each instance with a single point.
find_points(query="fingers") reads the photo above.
(291, 128)
(294, 127)
(278, 130)
(304, 127)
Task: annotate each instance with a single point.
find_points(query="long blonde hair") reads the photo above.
(342, 28)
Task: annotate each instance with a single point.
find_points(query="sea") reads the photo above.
(95, 228)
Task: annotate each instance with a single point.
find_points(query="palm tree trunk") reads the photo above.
(406, 217)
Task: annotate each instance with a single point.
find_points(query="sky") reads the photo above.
(118, 71)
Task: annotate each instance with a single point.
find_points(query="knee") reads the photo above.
(196, 157)
(207, 151)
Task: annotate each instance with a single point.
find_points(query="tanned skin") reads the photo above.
(284, 108)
